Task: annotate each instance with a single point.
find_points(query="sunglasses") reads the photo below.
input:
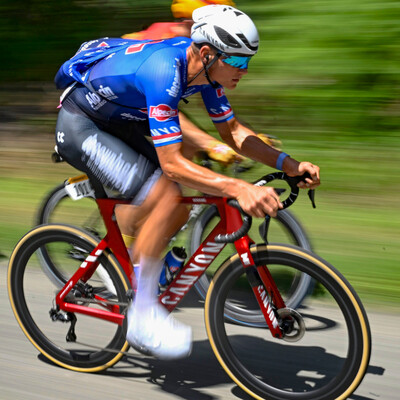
(236, 61)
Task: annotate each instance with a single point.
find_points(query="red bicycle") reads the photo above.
(319, 351)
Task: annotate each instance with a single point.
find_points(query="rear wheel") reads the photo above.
(99, 344)
(326, 349)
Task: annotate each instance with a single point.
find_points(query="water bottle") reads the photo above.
(173, 262)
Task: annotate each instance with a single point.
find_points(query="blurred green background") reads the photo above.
(326, 82)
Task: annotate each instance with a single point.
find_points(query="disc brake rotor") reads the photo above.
(292, 323)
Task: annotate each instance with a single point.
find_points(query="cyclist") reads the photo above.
(122, 91)
(193, 137)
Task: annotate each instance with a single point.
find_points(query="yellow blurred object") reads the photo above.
(222, 153)
(185, 8)
(225, 155)
(270, 140)
(128, 240)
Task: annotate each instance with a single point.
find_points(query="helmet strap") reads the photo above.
(206, 67)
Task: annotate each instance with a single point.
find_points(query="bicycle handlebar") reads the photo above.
(232, 237)
(247, 219)
(292, 181)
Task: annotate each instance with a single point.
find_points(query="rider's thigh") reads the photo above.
(89, 148)
(167, 215)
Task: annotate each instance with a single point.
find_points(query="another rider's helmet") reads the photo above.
(185, 8)
(227, 29)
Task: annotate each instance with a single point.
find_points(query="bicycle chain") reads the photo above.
(102, 303)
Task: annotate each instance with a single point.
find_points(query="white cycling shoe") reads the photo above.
(155, 332)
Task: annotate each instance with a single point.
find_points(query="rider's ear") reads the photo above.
(207, 58)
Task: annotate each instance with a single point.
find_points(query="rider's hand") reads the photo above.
(222, 153)
(312, 169)
(259, 201)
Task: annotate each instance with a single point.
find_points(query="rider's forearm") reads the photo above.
(187, 173)
(244, 141)
(256, 149)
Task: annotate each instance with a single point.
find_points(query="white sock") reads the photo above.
(147, 282)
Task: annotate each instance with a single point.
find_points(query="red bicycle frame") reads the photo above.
(262, 284)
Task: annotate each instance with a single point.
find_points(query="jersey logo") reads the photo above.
(220, 92)
(162, 112)
(137, 47)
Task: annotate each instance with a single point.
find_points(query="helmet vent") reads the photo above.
(246, 42)
(238, 13)
(226, 38)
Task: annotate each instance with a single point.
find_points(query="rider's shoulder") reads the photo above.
(174, 48)
(179, 42)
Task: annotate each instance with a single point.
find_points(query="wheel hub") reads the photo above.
(292, 324)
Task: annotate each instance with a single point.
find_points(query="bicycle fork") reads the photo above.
(263, 286)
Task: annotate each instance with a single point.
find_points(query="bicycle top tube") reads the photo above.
(100, 193)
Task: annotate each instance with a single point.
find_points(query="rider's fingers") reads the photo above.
(316, 173)
(257, 212)
(313, 182)
(260, 202)
(260, 210)
(308, 184)
(313, 170)
(272, 204)
(271, 210)
(273, 194)
(252, 209)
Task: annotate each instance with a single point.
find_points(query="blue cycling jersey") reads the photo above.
(135, 80)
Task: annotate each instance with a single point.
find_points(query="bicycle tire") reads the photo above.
(328, 363)
(32, 296)
(302, 285)
(54, 209)
(49, 203)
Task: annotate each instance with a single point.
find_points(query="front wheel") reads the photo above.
(98, 343)
(285, 228)
(327, 354)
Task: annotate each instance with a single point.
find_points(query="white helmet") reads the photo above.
(229, 30)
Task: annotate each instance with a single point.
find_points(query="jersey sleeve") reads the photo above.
(160, 80)
(217, 104)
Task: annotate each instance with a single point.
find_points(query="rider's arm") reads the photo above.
(254, 200)
(244, 141)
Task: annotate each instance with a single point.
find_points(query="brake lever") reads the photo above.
(311, 195)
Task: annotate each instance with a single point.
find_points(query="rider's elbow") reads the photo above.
(170, 171)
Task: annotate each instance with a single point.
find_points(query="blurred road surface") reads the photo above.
(25, 374)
